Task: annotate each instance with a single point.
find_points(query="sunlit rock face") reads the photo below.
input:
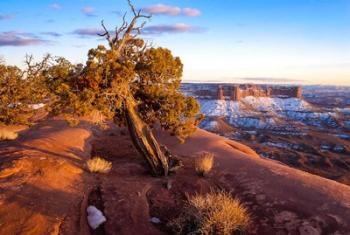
(236, 92)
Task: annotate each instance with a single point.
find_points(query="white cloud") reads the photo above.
(191, 12)
(162, 9)
(88, 11)
(175, 28)
(88, 32)
(16, 39)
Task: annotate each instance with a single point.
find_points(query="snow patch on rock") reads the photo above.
(276, 104)
(95, 217)
(155, 220)
(266, 112)
(37, 106)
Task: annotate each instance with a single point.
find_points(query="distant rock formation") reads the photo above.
(220, 93)
(238, 92)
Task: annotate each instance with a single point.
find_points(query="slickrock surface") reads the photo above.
(45, 187)
(42, 179)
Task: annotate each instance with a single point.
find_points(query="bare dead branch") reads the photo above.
(118, 31)
(126, 31)
(34, 69)
(106, 34)
(132, 7)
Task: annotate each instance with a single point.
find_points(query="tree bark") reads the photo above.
(144, 140)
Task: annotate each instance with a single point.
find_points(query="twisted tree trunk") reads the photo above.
(160, 162)
(144, 141)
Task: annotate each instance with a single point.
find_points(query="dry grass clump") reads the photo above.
(7, 135)
(213, 213)
(71, 120)
(204, 163)
(97, 118)
(99, 165)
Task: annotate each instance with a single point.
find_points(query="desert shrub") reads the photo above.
(71, 120)
(7, 135)
(20, 90)
(204, 163)
(213, 213)
(99, 165)
(128, 81)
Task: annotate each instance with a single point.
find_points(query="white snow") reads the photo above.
(343, 136)
(219, 107)
(36, 106)
(155, 220)
(251, 104)
(266, 112)
(212, 125)
(347, 124)
(95, 217)
(343, 110)
(276, 104)
(278, 145)
(253, 122)
(282, 145)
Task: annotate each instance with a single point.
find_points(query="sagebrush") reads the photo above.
(213, 213)
(7, 135)
(99, 165)
(204, 163)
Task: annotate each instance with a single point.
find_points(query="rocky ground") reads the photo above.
(45, 186)
(43, 181)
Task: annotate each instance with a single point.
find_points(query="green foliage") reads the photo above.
(126, 70)
(61, 78)
(151, 76)
(19, 90)
(13, 93)
(159, 95)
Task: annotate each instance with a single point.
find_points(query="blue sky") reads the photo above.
(267, 41)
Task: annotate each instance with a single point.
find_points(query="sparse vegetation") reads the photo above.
(128, 81)
(99, 165)
(7, 135)
(213, 213)
(204, 163)
(19, 89)
(71, 120)
(132, 84)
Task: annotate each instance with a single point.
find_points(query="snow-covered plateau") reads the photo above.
(271, 113)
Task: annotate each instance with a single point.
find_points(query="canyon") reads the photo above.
(304, 127)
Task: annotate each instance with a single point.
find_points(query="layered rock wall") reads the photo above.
(238, 92)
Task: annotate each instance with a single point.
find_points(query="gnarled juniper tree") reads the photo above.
(131, 83)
